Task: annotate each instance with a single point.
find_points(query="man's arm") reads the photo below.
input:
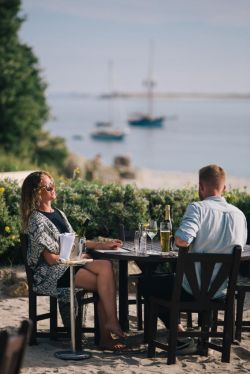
(189, 226)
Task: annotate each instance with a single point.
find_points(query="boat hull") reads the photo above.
(107, 137)
(147, 122)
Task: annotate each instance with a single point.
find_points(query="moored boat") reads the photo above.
(108, 134)
(146, 121)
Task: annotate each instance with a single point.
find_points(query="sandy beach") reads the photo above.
(155, 179)
(39, 359)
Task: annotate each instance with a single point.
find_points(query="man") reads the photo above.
(209, 225)
(212, 224)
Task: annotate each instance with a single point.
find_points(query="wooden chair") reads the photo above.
(203, 302)
(241, 325)
(13, 348)
(56, 331)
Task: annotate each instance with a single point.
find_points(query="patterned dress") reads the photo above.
(43, 234)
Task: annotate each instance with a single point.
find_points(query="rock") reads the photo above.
(19, 289)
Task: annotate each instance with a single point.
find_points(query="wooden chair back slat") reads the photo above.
(205, 281)
(13, 348)
(206, 273)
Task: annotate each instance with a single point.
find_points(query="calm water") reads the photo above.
(196, 132)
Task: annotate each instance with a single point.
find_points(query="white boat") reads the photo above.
(105, 130)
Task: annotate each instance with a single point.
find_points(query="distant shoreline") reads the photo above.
(159, 95)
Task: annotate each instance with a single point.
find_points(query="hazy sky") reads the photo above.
(200, 45)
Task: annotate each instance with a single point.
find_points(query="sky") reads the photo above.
(198, 45)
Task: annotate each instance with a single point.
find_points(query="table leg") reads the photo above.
(73, 354)
(147, 273)
(123, 295)
(72, 309)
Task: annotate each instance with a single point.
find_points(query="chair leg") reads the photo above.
(239, 314)
(205, 319)
(32, 317)
(139, 306)
(214, 321)
(152, 329)
(53, 318)
(78, 327)
(172, 339)
(227, 335)
(189, 319)
(146, 320)
(96, 321)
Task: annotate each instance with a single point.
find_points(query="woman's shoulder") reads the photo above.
(37, 219)
(36, 216)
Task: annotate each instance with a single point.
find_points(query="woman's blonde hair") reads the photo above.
(31, 195)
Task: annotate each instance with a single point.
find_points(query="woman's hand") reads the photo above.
(113, 244)
(50, 258)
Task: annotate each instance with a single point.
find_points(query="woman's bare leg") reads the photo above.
(103, 282)
(106, 340)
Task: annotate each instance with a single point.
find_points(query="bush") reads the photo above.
(9, 220)
(105, 205)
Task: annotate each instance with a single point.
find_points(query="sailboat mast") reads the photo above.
(111, 90)
(149, 83)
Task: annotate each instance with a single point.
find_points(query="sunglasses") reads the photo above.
(48, 188)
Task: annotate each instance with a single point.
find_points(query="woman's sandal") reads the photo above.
(117, 347)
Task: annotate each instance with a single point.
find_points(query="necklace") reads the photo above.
(51, 210)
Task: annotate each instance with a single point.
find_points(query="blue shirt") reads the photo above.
(212, 225)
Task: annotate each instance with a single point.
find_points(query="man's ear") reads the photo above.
(201, 186)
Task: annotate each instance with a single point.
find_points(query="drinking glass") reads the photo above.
(137, 241)
(151, 231)
(165, 236)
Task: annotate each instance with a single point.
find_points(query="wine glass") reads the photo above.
(151, 231)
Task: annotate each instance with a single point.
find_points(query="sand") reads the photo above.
(39, 359)
(155, 179)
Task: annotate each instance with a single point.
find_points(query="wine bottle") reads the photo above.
(166, 230)
(168, 217)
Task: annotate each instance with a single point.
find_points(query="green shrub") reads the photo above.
(9, 219)
(105, 205)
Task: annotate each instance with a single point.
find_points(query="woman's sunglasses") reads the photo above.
(48, 188)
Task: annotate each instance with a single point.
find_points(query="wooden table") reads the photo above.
(147, 261)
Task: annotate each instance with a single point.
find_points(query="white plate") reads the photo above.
(76, 262)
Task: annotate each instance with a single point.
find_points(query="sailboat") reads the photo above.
(148, 119)
(104, 129)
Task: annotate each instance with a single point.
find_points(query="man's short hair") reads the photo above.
(212, 175)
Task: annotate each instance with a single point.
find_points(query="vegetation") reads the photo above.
(23, 107)
(105, 206)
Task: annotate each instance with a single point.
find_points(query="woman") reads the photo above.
(43, 223)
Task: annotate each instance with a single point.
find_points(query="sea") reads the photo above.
(196, 132)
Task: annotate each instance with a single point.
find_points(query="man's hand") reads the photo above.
(180, 243)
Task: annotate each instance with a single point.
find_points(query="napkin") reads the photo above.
(66, 243)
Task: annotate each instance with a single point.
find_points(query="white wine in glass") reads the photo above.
(152, 231)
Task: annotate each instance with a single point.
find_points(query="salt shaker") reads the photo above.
(143, 243)
(81, 247)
